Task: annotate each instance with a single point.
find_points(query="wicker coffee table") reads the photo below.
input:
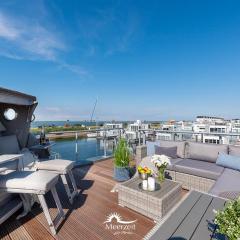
(151, 204)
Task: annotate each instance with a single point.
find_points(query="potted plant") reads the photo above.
(228, 220)
(121, 161)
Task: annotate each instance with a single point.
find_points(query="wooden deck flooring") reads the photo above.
(84, 219)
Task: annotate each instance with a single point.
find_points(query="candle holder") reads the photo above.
(144, 176)
(157, 187)
(145, 185)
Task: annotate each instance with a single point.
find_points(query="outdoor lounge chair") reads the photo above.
(38, 183)
(9, 145)
(58, 166)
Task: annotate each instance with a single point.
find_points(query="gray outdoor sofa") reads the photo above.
(195, 167)
(210, 188)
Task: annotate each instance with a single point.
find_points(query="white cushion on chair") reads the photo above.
(58, 165)
(38, 182)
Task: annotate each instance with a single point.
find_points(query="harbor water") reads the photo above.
(88, 149)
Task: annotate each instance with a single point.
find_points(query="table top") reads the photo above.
(9, 157)
(193, 219)
(165, 187)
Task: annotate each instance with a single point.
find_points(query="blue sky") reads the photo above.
(149, 60)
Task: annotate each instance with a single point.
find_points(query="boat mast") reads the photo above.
(94, 107)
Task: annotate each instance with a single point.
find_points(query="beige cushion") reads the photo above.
(38, 182)
(180, 146)
(204, 152)
(58, 165)
(234, 150)
(199, 168)
(227, 184)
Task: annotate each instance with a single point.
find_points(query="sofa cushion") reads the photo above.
(234, 150)
(38, 182)
(180, 146)
(227, 184)
(168, 151)
(204, 152)
(173, 162)
(228, 161)
(151, 147)
(198, 168)
(58, 165)
(9, 145)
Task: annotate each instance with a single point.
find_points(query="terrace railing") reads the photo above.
(204, 137)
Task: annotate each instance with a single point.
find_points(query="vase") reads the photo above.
(161, 175)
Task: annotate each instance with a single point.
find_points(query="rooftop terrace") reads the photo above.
(84, 219)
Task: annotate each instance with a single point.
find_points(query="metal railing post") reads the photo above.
(76, 145)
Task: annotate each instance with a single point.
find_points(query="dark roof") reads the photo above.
(15, 97)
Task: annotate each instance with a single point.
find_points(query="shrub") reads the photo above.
(228, 220)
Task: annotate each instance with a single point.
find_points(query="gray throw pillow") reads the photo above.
(228, 161)
(168, 151)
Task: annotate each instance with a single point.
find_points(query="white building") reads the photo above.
(210, 120)
(235, 125)
(168, 127)
(111, 130)
(199, 127)
(164, 136)
(134, 130)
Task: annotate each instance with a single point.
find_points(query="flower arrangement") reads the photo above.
(144, 172)
(161, 162)
(228, 220)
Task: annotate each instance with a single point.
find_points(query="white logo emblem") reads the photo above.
(118, 218)
(116, 223)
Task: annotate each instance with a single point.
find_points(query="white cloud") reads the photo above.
(7, 31)
(74, 68)
(25, 39)
(30, 40)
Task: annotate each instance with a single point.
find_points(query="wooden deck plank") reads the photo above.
(4, 234)
(35, 228)
(17, 231)
(85, 218)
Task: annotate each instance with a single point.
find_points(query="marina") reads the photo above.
(87, 149)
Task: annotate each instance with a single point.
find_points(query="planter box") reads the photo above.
(121, 174)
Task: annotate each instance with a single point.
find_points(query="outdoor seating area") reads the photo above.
(32, 176)
(84, 219)
(174, 211)
(197, 185)
(196, 167)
